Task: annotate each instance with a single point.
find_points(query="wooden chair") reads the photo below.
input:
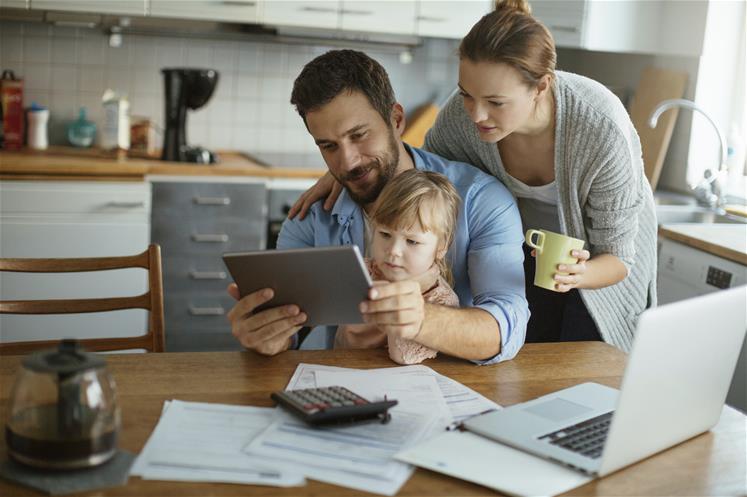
(152, 341)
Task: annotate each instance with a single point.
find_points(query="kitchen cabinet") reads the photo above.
(378, 16)
(127, 7)
(14, 4)
(323, 14)
(45, 219)
(671, 28)
(195, 222)
(353, 16)
(208, 10)
(441, 19)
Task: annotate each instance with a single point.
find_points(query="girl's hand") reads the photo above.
(576, 272)
(327, 186)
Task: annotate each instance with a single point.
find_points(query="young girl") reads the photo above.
(412, 226)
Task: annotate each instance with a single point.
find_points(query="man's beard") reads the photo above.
(386, 165)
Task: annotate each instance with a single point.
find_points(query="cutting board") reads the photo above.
(654, 86)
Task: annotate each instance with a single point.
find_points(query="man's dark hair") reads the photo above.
(336, 71)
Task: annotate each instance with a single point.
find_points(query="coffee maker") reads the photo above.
(185, 89)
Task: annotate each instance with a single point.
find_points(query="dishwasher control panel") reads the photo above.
(718, 277)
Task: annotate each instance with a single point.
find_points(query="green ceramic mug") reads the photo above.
(552, 249)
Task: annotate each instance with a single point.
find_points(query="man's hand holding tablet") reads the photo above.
(280, 291)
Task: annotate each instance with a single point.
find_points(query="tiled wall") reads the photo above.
(66, 68)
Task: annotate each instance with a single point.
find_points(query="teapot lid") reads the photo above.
(67, 359)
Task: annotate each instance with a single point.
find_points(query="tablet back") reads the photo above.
(327, 283)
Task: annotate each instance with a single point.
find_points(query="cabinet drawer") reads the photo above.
(54, 198)
(245, 11)
(195, 236)
(195, 274)
(209, 200)
(204, 311)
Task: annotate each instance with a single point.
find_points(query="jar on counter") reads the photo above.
(38, 117)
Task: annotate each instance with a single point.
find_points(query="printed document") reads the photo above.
(197, 441)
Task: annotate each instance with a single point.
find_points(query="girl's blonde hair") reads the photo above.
(422, 197)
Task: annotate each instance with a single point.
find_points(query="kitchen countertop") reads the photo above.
(724, 240)
(94, 164)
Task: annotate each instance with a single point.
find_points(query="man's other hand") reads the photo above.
(395, 308)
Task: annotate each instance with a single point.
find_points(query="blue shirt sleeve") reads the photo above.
(496, 264)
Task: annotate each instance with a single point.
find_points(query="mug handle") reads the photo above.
(540, 240)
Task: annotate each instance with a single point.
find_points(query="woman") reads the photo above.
(566, 148)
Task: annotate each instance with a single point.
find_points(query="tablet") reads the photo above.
(327, 283)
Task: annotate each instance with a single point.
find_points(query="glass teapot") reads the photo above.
(63, 410)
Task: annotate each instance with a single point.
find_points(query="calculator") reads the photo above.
(332, 405)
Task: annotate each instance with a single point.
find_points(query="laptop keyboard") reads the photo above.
(586, 438)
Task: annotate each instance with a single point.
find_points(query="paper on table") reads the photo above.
(196, 441)
(474, 458)
(463, 402)
(419, 394)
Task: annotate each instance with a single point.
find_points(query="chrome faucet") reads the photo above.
(710, 190)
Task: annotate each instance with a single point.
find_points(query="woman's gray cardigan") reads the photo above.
(604, 196)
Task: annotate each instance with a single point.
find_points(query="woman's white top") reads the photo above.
(538, 205)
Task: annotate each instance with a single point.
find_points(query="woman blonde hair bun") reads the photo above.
(520, 5)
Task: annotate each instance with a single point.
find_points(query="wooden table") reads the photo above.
(710, 464)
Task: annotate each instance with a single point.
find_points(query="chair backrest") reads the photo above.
(152, 340)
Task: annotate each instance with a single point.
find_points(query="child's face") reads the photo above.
(402, 254)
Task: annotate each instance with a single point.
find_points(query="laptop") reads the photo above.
(675, 383)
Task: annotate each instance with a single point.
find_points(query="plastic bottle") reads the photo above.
(38, 117)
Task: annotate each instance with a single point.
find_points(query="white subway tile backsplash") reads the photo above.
(36, 50)
(248, 58)
(169, 53)
(220, 137)
(64, 78)
(147, 81)
(36, 76)
(220, 111)
(198, 54)
(250, 109)
(142, 50)
(11, 48)
(246, 112)
(275, 89)
(118, 79)
(64, 51)
(118, 56)
(91, 79)
(225, 57)
(247, 86)
(91, 50)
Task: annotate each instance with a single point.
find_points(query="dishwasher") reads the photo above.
(686, 272)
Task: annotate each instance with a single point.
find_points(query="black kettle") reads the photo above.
(63, 410)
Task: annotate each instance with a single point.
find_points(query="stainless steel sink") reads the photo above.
(668, 214)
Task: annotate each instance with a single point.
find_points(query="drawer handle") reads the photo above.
(318, 9)
(356, 12)
(206, 311)
(207, 275)
(210, 238)
(431, 19)
(212, 200)
(239, 3)
(125, 205)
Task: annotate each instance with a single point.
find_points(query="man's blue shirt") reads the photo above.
(486, 256)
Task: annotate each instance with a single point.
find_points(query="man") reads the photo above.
(348, 105)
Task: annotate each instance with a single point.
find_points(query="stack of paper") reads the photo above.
(267, 446)
(195, 441)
